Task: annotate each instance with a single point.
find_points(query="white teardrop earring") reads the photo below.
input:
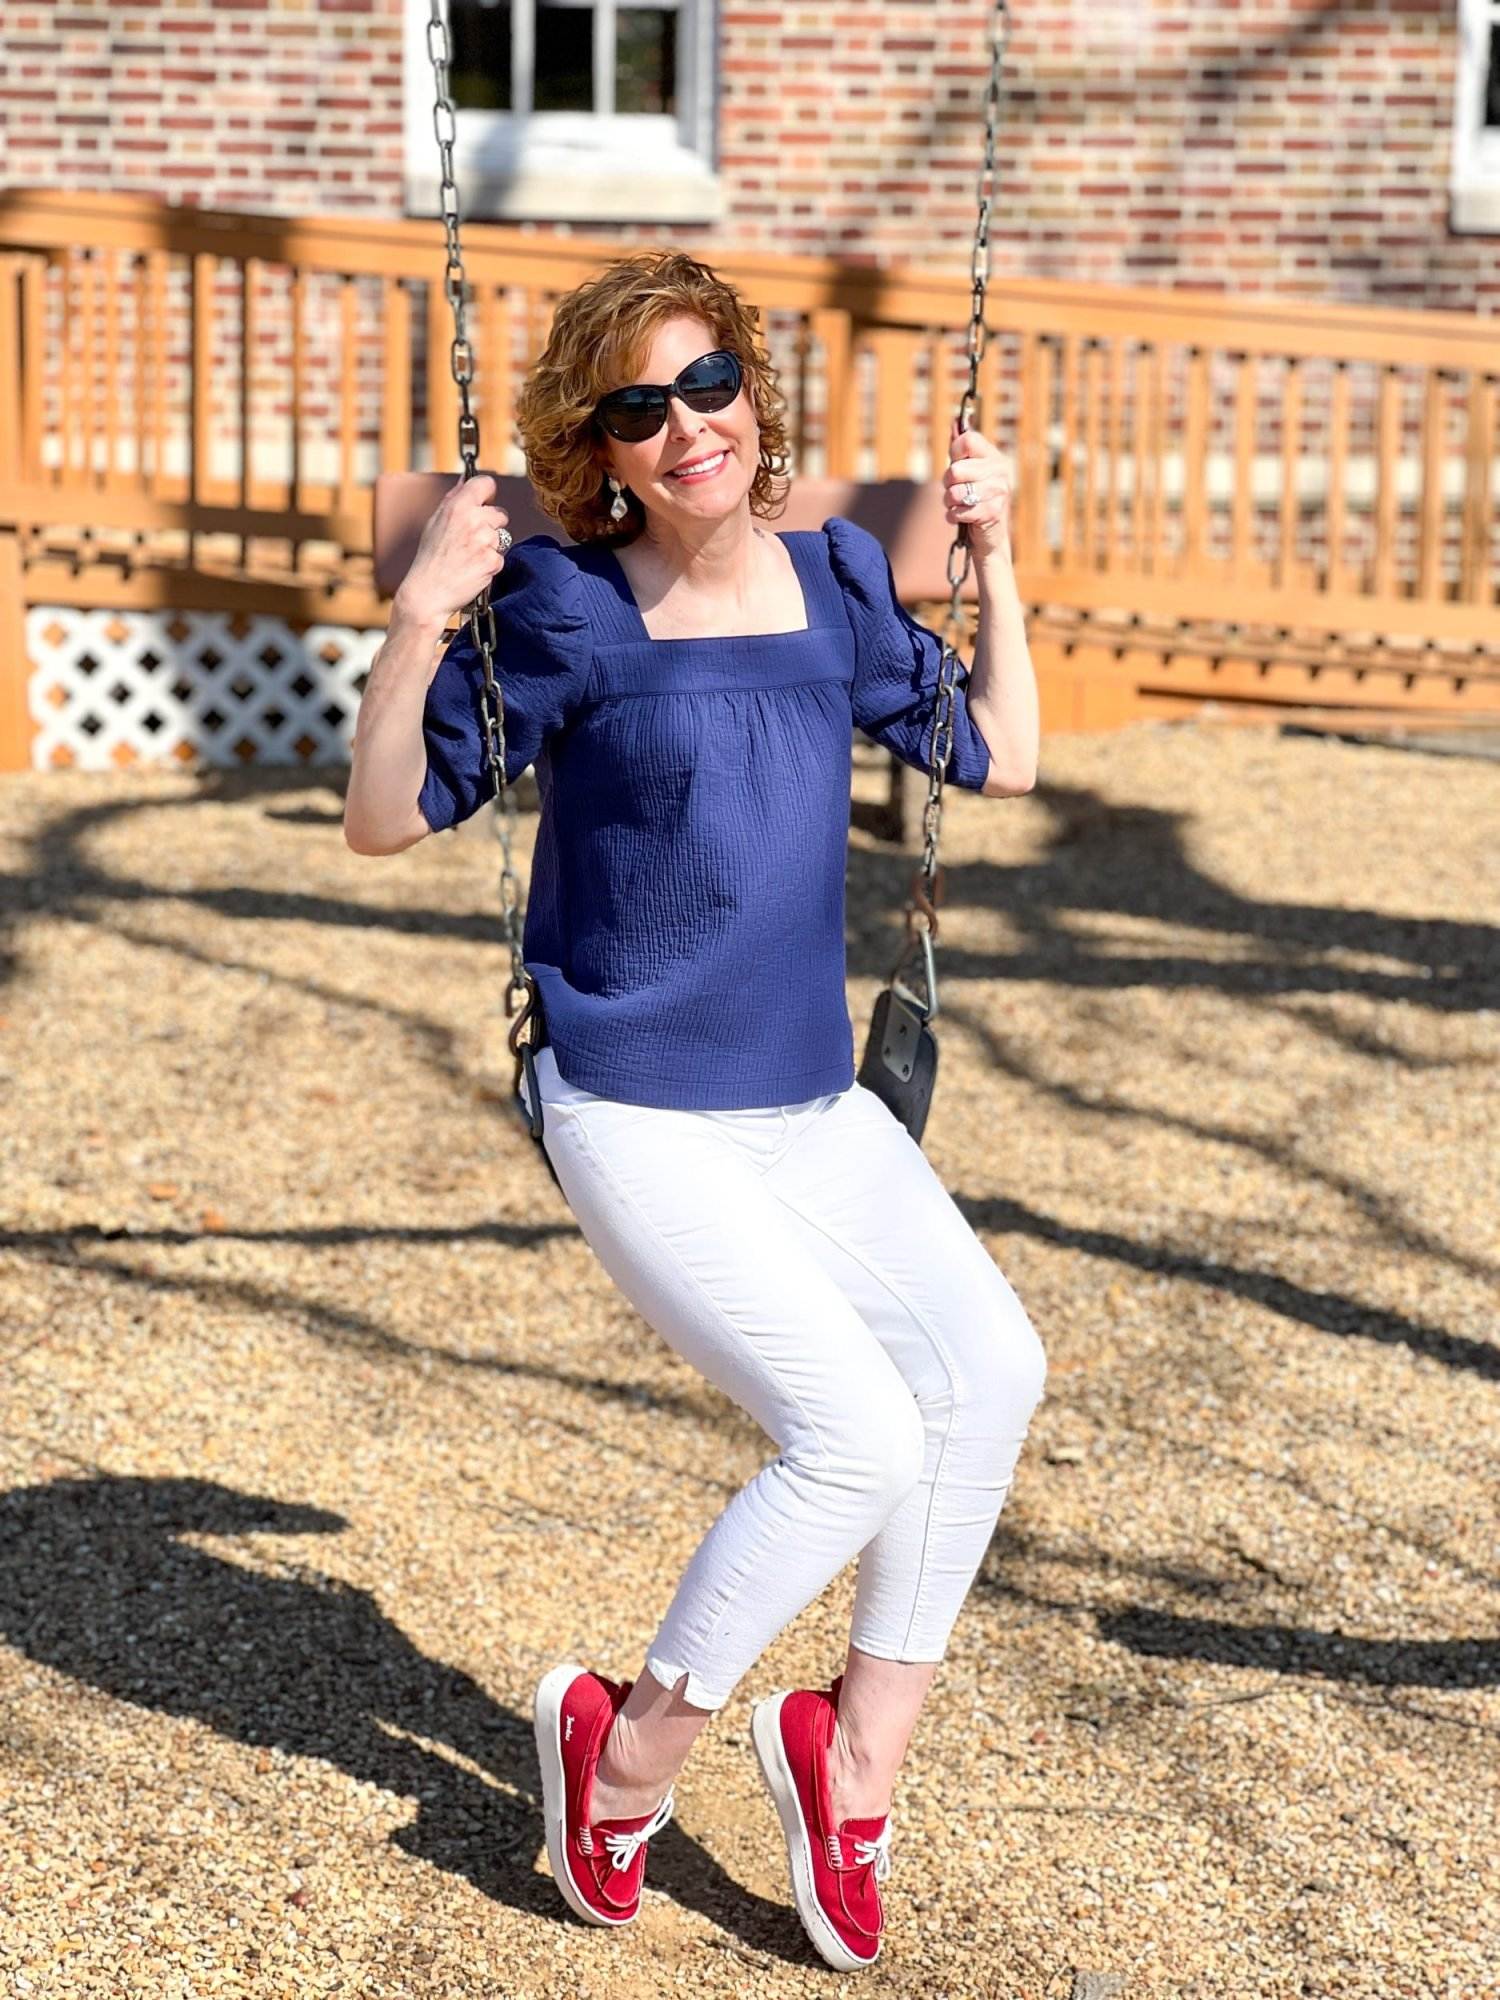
(618, 507)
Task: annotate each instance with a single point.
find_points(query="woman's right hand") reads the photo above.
(459, 554)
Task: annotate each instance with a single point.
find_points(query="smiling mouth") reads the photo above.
(703, 468)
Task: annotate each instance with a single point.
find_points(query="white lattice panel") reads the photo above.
(113, 688)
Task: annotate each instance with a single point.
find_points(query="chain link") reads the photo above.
(518, 990)
(927, 883)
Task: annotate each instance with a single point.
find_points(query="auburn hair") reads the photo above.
(601, 332)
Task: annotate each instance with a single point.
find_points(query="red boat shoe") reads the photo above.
(599, 1865)
(836, 1869)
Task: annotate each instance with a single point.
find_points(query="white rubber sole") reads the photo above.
(765, 1733)
(549, 1701)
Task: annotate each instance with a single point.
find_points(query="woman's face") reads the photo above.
(728, 439)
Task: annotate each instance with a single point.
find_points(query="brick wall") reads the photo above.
(1289, 146)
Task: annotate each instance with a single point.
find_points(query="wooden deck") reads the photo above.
(1270, 506)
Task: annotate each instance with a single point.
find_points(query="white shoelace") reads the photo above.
(624, 1847)
(878, 1851)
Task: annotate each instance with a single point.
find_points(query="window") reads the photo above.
(1476, 118)
(569, 109)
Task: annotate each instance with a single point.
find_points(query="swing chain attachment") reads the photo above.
(927, 889)
(519, 991)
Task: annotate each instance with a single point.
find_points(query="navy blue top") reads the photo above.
(685, 923)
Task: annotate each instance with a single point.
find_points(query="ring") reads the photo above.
(504, 540)
(969, 494)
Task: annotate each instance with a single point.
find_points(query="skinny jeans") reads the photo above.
(807, 1260)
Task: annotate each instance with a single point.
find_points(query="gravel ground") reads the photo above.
(324, 1434)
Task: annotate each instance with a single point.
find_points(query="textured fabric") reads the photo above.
(685, 920)
(894, 692)
(807, 1261)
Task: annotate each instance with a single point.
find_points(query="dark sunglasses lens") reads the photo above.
(637, 413)
(633, 414)
(712, 383)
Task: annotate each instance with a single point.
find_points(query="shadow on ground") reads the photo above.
(97, 1582)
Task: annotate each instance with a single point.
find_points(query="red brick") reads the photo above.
(1182, 153)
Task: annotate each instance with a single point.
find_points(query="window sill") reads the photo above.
(1475, 207)
(543, 186)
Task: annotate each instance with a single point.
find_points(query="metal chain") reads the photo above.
(927, 882)
(481, 614)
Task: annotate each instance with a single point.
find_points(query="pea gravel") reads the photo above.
(324, 1434)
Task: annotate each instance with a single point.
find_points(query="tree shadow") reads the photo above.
(340, 1328)
(1305, 1649)
(1153, 1633)
(1326, 1312)
(1212, 73)
(1373, 1204)
(1099, 857)
(1130, 861)
(98, 1582)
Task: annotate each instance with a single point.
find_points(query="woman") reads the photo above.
(686, 683)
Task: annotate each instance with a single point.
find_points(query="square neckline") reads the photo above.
(787, 538)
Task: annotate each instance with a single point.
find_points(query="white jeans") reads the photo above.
(809, 1262)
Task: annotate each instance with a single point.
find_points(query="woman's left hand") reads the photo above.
(976, 463)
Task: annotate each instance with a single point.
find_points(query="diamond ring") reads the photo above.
(969, 494)
(504, 540)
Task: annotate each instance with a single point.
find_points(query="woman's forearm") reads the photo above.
(388, 759)
(1002, 692)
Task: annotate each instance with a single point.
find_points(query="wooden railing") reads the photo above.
(169, 372)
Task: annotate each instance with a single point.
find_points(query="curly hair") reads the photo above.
(601, 333)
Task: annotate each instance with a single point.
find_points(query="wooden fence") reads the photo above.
(1272, 503)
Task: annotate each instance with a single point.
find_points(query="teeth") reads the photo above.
(703, 465)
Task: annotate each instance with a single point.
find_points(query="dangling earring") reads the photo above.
(619, 506)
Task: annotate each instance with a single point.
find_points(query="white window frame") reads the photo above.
(1475, 183)
(572, 166)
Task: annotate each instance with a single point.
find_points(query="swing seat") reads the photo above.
(905, 515)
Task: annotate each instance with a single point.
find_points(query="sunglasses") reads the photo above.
(636, 413)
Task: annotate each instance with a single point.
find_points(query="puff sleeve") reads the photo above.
(896, 662)
(543, 663)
